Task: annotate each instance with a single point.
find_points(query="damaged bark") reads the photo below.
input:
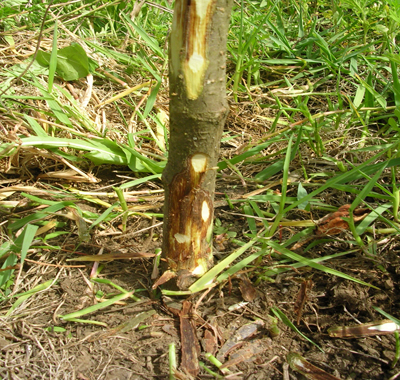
(198, 110)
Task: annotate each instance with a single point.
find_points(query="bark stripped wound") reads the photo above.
(191, 210)
(198, 110)
(189, 36)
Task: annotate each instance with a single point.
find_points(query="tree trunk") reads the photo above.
(198, 110)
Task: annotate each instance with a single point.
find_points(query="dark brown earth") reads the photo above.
(31, 347)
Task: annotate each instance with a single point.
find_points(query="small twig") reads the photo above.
(137, 232)
(55, 265)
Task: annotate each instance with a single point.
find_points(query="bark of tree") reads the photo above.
(198, 110)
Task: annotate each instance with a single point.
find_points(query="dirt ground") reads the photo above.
(32, 347)
(131, 339)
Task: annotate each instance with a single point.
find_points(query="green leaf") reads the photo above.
(378, 97)
(72, 62)
(367, 188)
(371, 217)
(140, 163)
(36, 126)
(240, 265)
(358, 98)
(55, 107)
(351, 175)
(394, 64)
(270, 171)
(27, 237)
(106, 152)
(110, 283)
(7, 149)
(301, 193)
(251, 152)
(152, 99)
(5, 248)
(247, 210)
(102, 151)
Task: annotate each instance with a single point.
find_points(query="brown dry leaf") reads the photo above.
(333, 223)
(220, 241)
(246, 287)
(69, 175)
(189, 341)
(210, 342)
(48, 226)
(171, 330)
(384, 327)
(27, 189)
(250, 351)
(311, 372)
(166, 276)
(245, 332)
(183, 376)
(302, 242)
(302, 298)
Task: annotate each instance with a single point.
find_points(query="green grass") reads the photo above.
(319, 79)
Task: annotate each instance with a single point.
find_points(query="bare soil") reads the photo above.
(31, 347)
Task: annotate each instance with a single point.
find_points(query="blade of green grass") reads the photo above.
(343, 178)
(283, 318)
(285, 168)
(393, 319)
(53, 59)
(96, 307)
(239, 266)
(284, 263)
(24, 296)
(110, 283)
(20, 246)
(39, 215)
(294, 256)
(207, 279)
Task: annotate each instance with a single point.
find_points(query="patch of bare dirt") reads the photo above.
(33, 347)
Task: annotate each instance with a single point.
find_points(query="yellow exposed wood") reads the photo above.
(191, 22)
(199, 162)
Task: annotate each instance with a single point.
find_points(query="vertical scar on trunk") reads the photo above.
(192, 19)
(190, 218)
